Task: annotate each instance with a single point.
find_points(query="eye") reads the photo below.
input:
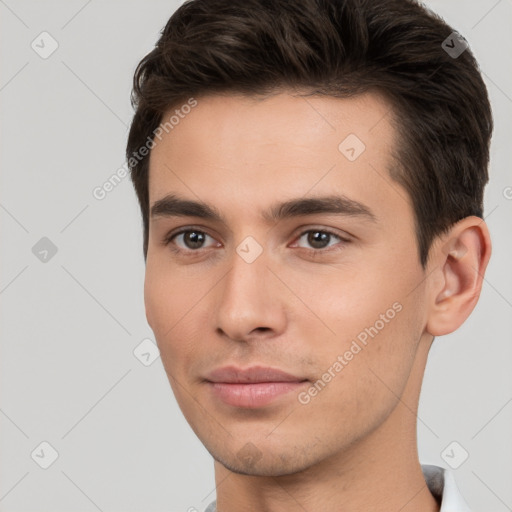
(193, 240)
(188, 239)
(319, 239)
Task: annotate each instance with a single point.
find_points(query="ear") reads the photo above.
(460, 259)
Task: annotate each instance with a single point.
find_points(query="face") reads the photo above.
(303, 261)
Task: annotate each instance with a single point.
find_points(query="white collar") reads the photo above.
(441, 484)
(443, 487)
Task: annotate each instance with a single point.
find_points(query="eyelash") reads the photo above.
(168, 240)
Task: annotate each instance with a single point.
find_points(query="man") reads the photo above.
(310, 175)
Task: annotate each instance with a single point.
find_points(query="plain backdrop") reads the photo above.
(72, 313)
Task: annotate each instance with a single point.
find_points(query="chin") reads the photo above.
(251, 461)
(270, 469)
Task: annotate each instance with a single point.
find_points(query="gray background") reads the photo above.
(70, 324)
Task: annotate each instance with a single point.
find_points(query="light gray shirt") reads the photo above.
(441, 484)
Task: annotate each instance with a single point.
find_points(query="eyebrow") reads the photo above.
(175, 206)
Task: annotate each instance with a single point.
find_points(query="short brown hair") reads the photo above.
(337, 48)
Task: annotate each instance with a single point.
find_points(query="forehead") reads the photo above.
(248, 151)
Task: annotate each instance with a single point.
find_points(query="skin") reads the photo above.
(298, 306)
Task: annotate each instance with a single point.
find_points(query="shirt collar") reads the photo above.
(442, 485)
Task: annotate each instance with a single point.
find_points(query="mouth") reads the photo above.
(252, 387)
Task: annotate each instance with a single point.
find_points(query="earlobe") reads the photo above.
(461, 260)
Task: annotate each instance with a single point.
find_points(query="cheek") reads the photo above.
(168, 295)
(166, 310)
(177, 312)
(167, 302)
(372, 317)
(347, 299)
(365, 369)
(158, 300)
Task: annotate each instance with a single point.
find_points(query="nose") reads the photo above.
(250, 303)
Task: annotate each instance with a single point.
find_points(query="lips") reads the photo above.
(231, 374)
(252, 387)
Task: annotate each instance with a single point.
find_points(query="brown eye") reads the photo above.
(193, 239)
(319, 239)
(189, 240)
